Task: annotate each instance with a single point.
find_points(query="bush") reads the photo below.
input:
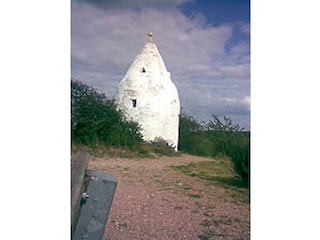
(230, 140)
(216, 138)
(161, 147)
(95, 120)
(191, 136)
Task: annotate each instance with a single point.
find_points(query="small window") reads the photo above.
(143, 70)
(134, 102)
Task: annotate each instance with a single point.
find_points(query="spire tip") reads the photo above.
(150, 37)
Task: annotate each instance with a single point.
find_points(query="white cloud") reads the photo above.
(105, 41)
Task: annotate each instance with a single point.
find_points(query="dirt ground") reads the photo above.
(154, 201)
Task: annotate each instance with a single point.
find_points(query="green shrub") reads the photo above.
(161, 147)
(192, 138)
(216, 138)
(95, 120)
(230, 140)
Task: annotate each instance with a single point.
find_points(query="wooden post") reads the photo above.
(79, 164)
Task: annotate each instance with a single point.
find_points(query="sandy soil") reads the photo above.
(154, 201)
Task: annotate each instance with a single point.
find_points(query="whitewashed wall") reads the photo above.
(148, 96)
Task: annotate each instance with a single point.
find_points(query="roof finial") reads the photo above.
(150, 37)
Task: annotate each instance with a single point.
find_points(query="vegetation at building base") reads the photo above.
(217, 138)
(95, 120)
(97, 125)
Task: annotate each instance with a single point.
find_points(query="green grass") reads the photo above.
(106, 151)
(219, 173)
(195, 195)
(144, 150)
(207, 235)
(217, 223)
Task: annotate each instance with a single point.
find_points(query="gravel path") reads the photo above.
(153, 201)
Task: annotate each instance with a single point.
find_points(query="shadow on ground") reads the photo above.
(215, 172)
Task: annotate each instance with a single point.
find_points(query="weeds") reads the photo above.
(195, 195)
(221, 174)
(144, 150)
(216, 171)
(207, 235)
(217, 138)
(162, 148)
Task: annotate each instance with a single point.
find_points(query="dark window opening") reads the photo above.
(134, 102)
(143, 70)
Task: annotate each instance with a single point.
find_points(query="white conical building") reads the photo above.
(148, 96)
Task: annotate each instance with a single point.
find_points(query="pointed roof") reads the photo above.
(149, 59)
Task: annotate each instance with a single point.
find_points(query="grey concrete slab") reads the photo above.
(95, 209)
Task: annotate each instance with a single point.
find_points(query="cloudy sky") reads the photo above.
(206, 49)
(205, 45)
